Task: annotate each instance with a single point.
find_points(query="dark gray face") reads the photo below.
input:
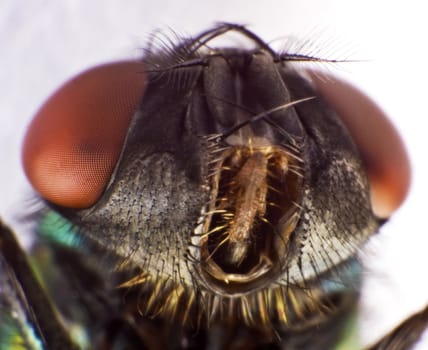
(237, 188)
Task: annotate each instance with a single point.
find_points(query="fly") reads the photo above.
(199, 198)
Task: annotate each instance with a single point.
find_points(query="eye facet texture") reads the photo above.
(73, 144)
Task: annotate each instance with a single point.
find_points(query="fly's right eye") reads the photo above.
(74, 142)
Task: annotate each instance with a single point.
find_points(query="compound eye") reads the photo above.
(74, 142)
(379, 143)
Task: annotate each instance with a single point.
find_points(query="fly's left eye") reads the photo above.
(379, 143)
(73, 144)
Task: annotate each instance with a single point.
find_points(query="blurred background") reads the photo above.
(45, 42)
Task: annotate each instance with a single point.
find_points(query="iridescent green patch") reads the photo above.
(350, 339)
(55, 228)
(17, 335)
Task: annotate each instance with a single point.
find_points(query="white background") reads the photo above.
(43, 43)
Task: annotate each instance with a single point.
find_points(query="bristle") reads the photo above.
(139, 279)
(278, 300)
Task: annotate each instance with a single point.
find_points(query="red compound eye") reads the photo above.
(73, 143)
(378, 141)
